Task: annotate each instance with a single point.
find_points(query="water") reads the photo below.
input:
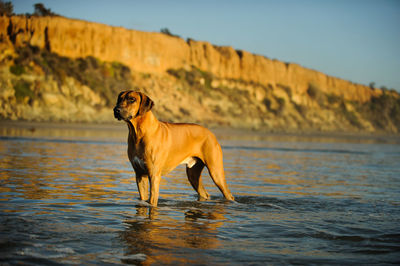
(68, 196)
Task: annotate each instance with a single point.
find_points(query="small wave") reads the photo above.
(368, 236)
(256, 201)
(134, 258)
(46, 252)
(141, 203)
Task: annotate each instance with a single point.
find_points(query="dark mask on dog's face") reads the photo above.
(131, 104)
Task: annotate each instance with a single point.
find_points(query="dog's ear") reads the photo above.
(145, 104)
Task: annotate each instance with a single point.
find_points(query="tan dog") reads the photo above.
(155, 148)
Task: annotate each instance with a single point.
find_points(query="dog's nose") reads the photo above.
(117, 113)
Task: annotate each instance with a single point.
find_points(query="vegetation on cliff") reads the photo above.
(107, 79)
(36, 80)
(6, 8)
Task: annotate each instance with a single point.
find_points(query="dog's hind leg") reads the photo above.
(215, 167)
(217, 175)
(194, 176)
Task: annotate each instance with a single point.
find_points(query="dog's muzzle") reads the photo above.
(117, 113)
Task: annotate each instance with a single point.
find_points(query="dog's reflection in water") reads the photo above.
(158, 236)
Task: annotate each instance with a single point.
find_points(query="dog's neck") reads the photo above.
(142, 125)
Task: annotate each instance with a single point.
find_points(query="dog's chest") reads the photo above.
(138, 164)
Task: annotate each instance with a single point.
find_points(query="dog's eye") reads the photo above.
(131, 100)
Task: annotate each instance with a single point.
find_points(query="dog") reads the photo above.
(155, 148)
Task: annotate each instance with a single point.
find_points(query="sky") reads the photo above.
(356, 40)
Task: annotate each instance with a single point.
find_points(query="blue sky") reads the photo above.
(357, 40)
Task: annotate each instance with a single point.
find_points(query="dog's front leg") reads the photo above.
(142, 182)
(155, 181)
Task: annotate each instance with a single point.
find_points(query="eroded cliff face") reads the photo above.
(58, 69)
(156, 53)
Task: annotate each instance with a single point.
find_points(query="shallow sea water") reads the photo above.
(68, 196)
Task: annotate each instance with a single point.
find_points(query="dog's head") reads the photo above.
(131, 104)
